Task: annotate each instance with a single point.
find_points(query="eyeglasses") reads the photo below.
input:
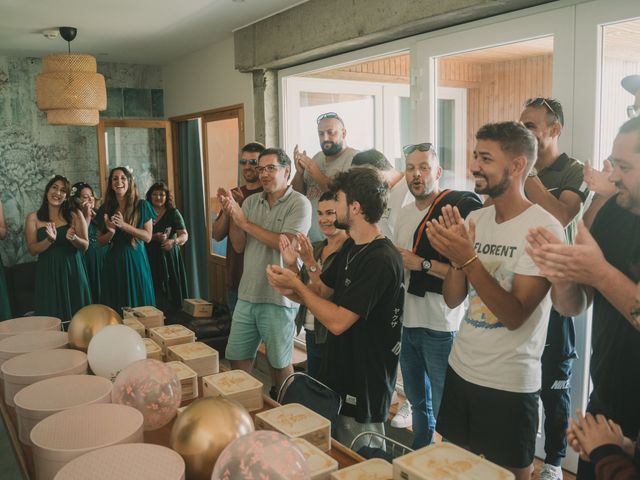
(253, 162)
(329, 115)
(539, 102)
(422, 147)
(633, 111)
(268, 168)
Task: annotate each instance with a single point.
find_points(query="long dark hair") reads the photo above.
(131, 212)
(65, 209)
(161, 186)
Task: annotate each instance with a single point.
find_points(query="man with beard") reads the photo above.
(234, 261)
(262, 314)
(604, 266)
(556, 183)
(429, 326)
(491, 393)
(364, 313)
(314, 174)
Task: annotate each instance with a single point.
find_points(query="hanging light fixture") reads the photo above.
(69, 88)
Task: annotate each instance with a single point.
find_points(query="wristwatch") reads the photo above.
(426, 265)
(312, 268)
(533, 172)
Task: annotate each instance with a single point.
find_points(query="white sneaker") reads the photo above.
(402, 419)
(550, 472)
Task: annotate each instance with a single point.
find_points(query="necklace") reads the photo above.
(351, 259)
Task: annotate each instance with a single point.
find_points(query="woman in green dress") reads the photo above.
(169, 234)
(83, 200)
(58, 236)
(5, 306)
(126, 224)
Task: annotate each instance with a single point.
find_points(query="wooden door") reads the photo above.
(223, 136)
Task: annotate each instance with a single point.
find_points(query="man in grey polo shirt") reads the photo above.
(262, 314)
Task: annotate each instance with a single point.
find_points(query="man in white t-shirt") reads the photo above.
(429, 326)
(399, 195)
(490, 400)
(314, 174)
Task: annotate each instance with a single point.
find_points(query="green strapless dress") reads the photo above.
(167, 267)
(126, 276)
(5, 306)
(94, 260)
(62, 286)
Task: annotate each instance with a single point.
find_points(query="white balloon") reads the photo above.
(113, 348)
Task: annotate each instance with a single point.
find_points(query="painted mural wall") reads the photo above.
(31, 151)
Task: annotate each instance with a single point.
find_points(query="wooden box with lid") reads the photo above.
(171, 335)
(149, 316)
(446, 460)
(188, 380)
(297, 421)
(134, 323)
(197, 307)
(235, 385)
(320, 464)
(153, 349)
(373, 469)
(199, 356)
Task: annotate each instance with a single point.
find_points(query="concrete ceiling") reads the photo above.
(131, 31)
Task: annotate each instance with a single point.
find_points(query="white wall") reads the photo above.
(205, 80)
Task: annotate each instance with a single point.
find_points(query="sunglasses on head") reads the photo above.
(422, 147)
(328, 115)
(540, 102)
(253, 162)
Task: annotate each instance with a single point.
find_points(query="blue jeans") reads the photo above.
(423, 360)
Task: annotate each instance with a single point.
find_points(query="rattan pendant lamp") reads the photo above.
(69, 88)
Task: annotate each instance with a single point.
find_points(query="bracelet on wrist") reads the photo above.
(465, 264)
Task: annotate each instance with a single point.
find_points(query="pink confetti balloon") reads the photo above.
(151, 387)
(261, 455)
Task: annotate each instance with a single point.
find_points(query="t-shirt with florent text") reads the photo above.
(361, 363)
(485, 352)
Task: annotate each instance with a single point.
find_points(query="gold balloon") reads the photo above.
(204, 429)
(87, 322)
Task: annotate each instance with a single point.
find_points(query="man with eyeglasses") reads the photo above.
(429, 326)
(603, 267)
(262, 314)
(234, 260)
(556, 184)
(313, 174)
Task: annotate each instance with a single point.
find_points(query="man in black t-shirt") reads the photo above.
(364, 313)
(604, 266)
(556, 183)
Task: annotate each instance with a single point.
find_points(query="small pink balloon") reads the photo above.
(262, 455)
(153, 388)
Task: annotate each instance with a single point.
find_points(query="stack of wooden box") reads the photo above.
(188, 380)
(199, 356)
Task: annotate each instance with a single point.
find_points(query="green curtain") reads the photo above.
(194, 212)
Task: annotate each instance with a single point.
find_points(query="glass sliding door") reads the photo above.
(498, 67)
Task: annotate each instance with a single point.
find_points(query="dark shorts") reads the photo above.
(500, 425)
